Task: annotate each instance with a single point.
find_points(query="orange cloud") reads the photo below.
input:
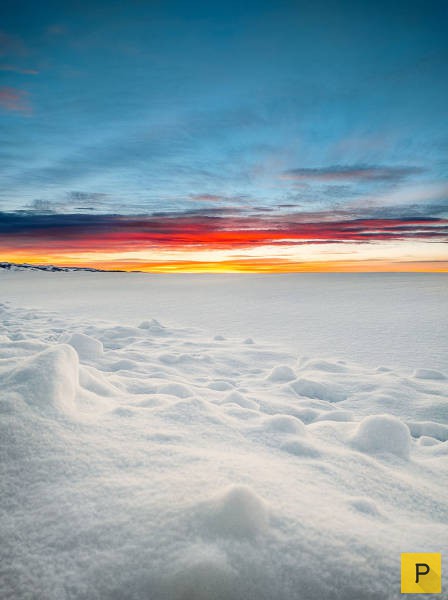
(172, 243)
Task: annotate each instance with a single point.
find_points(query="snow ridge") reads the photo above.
(7, 266)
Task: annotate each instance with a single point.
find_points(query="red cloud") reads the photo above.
(107, 233)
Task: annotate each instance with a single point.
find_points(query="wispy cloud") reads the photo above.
(208, 197)
(427, 195)
(353, 173)
(56, 29)
(42, 206)
(218, 198)
(79, 196)
(74, 202)
(19, 70)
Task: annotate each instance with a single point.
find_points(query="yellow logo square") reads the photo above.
(421, 573)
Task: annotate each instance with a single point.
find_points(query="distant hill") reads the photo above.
(7, 266)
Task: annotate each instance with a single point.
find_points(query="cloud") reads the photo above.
(205, 230)
(218, 198)
(200, 212)
(352, 173)
(425, 195)
(42, 206)
(74, 201)
(162, 154)
(14, 69)
(208, 197)
(12, 99)
(339, 191)
(56, 29)
(94, 197)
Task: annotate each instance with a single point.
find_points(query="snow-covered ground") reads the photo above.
(146, 459)
(399, 320)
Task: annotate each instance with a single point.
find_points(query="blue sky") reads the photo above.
(143, 107)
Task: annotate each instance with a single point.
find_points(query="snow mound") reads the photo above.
(281, 373)
(88, 348)
(175, 389)
(220, 385)
(48, 380)
(153, 326)
(236, 397)
(316, 389)
(237, 513)
(429, 374)
(324, 365)
(365, 506)
(300, 448)
(285, 424)
(380, 434)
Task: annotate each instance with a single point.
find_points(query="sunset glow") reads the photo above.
(259, 139)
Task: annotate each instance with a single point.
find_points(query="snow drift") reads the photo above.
(158, 463)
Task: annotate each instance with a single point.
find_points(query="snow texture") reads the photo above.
(392, 320)
(147, 462)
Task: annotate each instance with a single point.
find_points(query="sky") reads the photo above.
(265, 136)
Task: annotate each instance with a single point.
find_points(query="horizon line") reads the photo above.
(246, 267)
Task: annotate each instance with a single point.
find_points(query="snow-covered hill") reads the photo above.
(7, 266)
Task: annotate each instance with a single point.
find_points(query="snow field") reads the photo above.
(151, 462)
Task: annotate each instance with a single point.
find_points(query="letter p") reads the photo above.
(421, 573)
(421, 569)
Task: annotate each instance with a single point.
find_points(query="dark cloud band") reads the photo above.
(179, 231)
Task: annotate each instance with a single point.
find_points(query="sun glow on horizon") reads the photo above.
(246, 265)
(386, 256)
